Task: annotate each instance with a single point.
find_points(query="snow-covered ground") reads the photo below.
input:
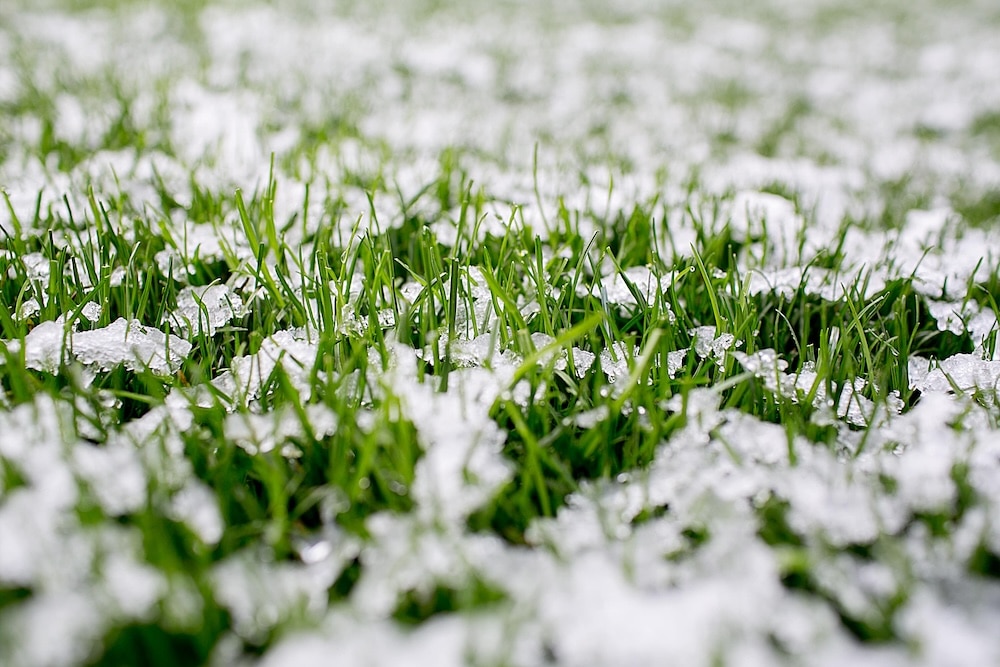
(779, 121)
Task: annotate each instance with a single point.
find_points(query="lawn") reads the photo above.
(499, 333)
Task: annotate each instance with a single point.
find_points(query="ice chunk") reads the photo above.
(129, 342)
(675, 361)
(36, 266)
(91, 311)
(122, 342)
(952, 633)
(959, 317)
(962, 372)
(28, 309)
(650, 288)
(204, 310)
(772, 220)
(582, 361)
(446, 640)
(707, 344)
(852, 406)
(615, 361)
(590, 418)
(824, 283)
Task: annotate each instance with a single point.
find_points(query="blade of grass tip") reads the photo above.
(640, 299)
(510, 309)
(270, 228)
(249, 229)
(264, 275)
(856, 323)
(719, 320)
(540, 291)
(15, 222)
(37, 215)
(453, 271)
(731, 382)
(571, 295)
(327, 320)
(297, 304)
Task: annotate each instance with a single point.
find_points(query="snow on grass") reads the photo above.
(499, 334)
(121, 342)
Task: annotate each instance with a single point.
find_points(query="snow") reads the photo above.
(114, 475)
(622, 105)
(202, 310)
(196, 506)
(51, 630)
(290, 349)
(614, 289)
(462, 465)
(126, 342)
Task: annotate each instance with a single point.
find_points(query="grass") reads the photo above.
(408, 393)
(354, 301)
